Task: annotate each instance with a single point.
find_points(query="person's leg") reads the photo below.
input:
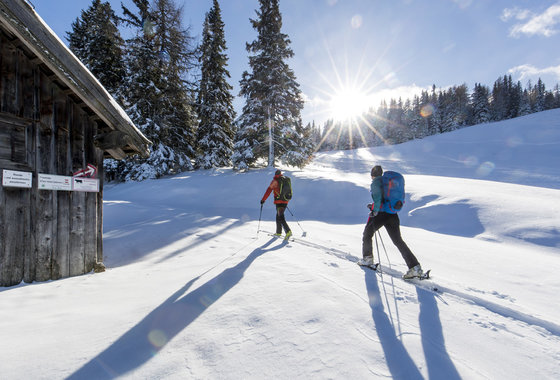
(373, 224)
(393, 229)
(281, 219)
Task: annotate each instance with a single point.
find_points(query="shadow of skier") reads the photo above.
(398, 360)
(149, 336)
(440, 365)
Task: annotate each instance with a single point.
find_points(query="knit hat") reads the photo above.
(376, 171)
(278, 172)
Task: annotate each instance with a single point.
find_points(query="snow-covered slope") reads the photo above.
(194, 291)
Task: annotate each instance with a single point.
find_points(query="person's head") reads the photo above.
(376, 171)
(278, 172)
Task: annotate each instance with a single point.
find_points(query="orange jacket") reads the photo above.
(274, 186)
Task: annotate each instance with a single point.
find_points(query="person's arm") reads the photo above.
(268, 191)
(376, 194)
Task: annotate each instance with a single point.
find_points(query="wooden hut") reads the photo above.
(57, 123)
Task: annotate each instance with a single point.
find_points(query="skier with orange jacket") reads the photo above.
(280, 203)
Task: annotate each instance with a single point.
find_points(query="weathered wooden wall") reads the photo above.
(44, 234)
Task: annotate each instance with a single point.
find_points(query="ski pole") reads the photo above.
(304, 233)
(385, 249)
(259, 226)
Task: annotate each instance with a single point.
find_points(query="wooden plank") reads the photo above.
(13, 259)
(27, 103)
(101, 176)
(61, 253)
(8, 73)
(27, 83)
(45, 234)
(78, 199)
(25, 236)
(4, 272)
(90, 226)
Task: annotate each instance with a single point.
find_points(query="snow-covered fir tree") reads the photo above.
(272, 98)
(96, 40)
(159, 57)
(480, 112)
(539, 94)
(214, 102)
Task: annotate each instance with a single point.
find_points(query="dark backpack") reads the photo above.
(393, 192)
(285, 191)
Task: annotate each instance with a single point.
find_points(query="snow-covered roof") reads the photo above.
(20, 19)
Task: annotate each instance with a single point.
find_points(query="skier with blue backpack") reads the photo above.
(387, 192)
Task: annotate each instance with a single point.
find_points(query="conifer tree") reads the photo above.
(525, 104)
(214, 103)
(95, 39)
(539, 96)
(480, 104)
(160, 101)
(272, 97)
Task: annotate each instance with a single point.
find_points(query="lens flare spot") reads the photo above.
(514, 141)
(206, 301)
(356, 21)
(157, 338)
(470, 161)
(485, 168)
(427, 110)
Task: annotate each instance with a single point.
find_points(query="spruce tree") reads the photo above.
(539, 95)
(214, 103)
(160, 101)
(95, 39)
(480, 104)
(272, 97)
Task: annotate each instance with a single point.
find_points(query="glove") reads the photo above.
(373, 213)
(369, 206)
(262, 201)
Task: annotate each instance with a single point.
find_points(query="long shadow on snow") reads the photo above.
(398, 360)
(149, 336)
(167, 225)
(440, 365)
(457, 219)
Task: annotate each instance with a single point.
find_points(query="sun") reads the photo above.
(349, 103)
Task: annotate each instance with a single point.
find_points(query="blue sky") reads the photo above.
(351, 53)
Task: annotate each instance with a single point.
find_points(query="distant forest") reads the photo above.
(436, 111)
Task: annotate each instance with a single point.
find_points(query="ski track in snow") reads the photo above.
(434, 287)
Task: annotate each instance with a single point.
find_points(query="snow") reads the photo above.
(193, 291)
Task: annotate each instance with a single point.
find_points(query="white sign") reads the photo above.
(85, 184)
(54, 182)
(11, 178)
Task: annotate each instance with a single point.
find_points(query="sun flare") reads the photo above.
(349, 103)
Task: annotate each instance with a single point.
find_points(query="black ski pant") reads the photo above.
(280, 219)
(392, 225)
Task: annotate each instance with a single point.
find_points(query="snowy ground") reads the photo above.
(194, 292)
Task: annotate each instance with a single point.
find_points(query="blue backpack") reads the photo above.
(393, 192)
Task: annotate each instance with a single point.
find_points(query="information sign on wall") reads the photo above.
(54, 182)
(85, 184)
(12, 178)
